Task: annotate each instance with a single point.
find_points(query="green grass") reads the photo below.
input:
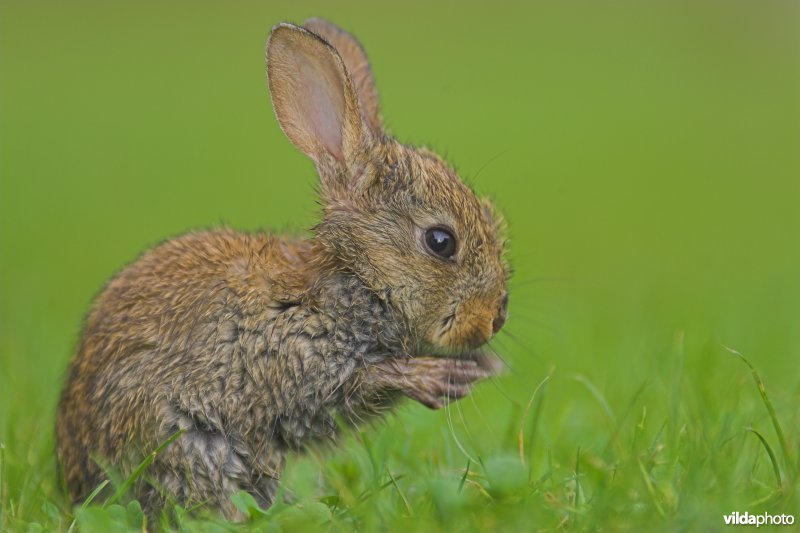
(644, 154)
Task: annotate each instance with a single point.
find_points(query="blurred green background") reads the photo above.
(645, 154)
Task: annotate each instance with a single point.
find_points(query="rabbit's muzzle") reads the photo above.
(474, 322)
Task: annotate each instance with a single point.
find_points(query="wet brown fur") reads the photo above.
(253, 344)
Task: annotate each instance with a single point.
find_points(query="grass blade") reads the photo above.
(522, 422)
(601, 399)
(2, 491)
(400, 492)
(577, 478)
(762, 390)
(613, 439)
(87, 502)
(651, 489)
(125, 487)
(772, 458)
(597, 396)
(464, 477)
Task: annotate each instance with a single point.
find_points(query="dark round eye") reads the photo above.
(441, 242)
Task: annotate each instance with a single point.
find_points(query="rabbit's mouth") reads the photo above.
(462, 333)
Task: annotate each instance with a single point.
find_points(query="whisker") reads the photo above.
(477, 409)
(525, 348)
(499, 356)
(501, 344)
(464, 421)
(516, 284)
(496, 382)
(448, 411)
(489, 162)
(528, 320)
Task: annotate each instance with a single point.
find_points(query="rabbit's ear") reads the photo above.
(312, 94)
(357, 64)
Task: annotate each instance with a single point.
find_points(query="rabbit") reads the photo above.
(250, 346)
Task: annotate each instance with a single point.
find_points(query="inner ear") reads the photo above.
(319, 101)
(312, 94)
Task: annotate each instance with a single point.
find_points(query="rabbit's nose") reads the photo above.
(502, 314)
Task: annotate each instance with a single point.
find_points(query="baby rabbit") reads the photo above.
(255, 344)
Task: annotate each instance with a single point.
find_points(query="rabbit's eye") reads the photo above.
(441, 242)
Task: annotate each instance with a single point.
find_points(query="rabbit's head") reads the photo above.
(397, 216)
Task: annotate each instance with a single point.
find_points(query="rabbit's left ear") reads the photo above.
(357, 64)
(313, 96)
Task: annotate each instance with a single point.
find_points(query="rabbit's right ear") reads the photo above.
(313, 96)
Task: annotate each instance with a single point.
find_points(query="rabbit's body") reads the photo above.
(245, 342)
(255, 345)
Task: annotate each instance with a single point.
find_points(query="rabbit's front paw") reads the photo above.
(432, 381)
